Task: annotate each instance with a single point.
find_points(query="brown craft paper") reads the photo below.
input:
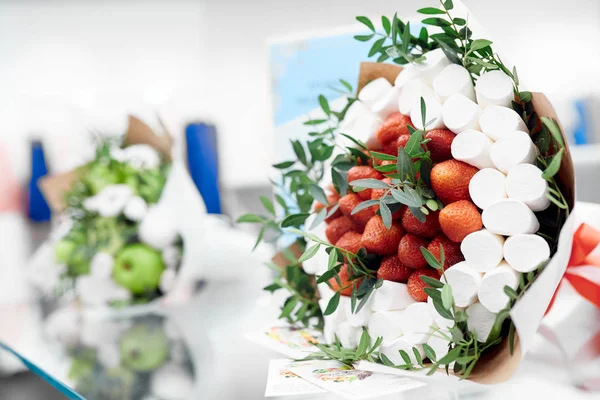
(498, 365)
(55, 187)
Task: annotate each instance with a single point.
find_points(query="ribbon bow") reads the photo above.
(585, 240)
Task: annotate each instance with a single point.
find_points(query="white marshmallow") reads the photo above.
(514, 148)
(361, 318)
(509, 217)
(483, 250)
(480, 320)
(434, 63)
(329, 328)
(439, 343)
(464, 282)
(360, 123)
(460, 113)
(440, 321)
(388, 103)
(392, 351)
(373, 91)
(486, 187)
(136, 209)
(454, 79)
(386, 325)
(433, 113)
(494, 88)
(417, 323)
(391, 296)
(409, 71)
(348, 334)
(525, 252)
(472, 147)
(491, 291)
(159, 227)
(524, 182)
(411, 93)
(495, 121)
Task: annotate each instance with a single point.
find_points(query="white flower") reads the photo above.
(111, 201)
(171, 257)
(167, 280)
(94, 291)
(171, 382)
(117, 153)
(101, 265)
(64, 325)
(136, 209)
(108, 355)
(141, 156)
(158, 229)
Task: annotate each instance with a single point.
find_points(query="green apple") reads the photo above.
(138, 268)
(63, 250)
(144, 348)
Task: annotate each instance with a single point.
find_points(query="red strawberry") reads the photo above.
(376, 194)
(337, 228)
(391, 269)
(350, 241)
(349, 203)
(380, 240)
(373, 143)
(460, 218)
(409, 251)
(346, 282)
(393, 126)
(450, 180)
(452, 253)
(332, 200)
(439, 146)
(401, 142)
(363, 172)
(416, 286)
(429, 229)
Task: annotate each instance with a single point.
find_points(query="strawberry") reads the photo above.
(346, 282)
(394, 126)
(350, 241)
(376, 194)
(416, 286)
(428, 229)
(380, 240)
(391, 269)
(450, 180)
(332, 199)
(363, 172)
(439, 146)
(360, 219)
(452, 253)
(401, 142)
(369, 161)
(373, 143)
(460, 218)
(337, 228)
(409, 251)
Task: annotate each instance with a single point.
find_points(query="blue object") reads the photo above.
(38, 210)
(580, 133)
(203, 163)
(61, 387)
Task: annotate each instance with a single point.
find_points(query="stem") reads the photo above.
(455, 29)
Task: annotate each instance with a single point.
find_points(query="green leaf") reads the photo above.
(315, 121)
(448, 5)
(333, 304)
(299, 150)
(383, 156)
(554, 165)
(436, 21)
(272, 287)
(406, 38)
(377, 45)
(405, 166)
(395, 23)
(363, 38)
(369, 184)
(321, 215)
(447, 299)
(416, 211)
(327, 275)
(405, 357)
(318, 193)
(363, 345)
(251, 218)
(364, 205)
(418, 356)
(355, 141)
(460, 316)
(309, 253)
(367, 22)
(405, 198)
(387, 26)
(430, 11)
(324, 105)
(288, 307)
(479, 44)
(450, 53)
(294, 220)
(347, 85)
(386, 361)
(431, 259)
(525, 96)
(439, 307)
(554, 129)
(459, 21)
(284, 165)
(333, 256)
(267, 204)
(413, 146)
(429, 352)
(332, 211)
(434, 283)
(386, 214)
(340, 183)
(511, 338)
(451, 356)
(510, 292)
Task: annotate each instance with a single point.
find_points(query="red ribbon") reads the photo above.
(585, 240)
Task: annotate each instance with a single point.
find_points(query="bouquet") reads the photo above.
(427, 211)
(119, 244)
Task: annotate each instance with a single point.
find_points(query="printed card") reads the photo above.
(293, 342)
(282, 382)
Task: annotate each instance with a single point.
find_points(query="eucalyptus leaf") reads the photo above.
(429, 352)
(363, 38)
(320, 217)
(333, 304)
(413, 146)
(406, 197)
(309, 253)
(430, 11)
(284, 164)
(340, 182)
(387, 25)
(267, 204)
(418, 214)
(447, 299)
(404, 165)
(386, 214)
(554, 165)
(251, 218)
(364, 205)
(318, 193)
(369, 184)
(324, 104)
(366, 21)
(294, 220)
(405, 357)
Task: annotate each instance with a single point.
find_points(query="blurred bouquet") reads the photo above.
(119, 242)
